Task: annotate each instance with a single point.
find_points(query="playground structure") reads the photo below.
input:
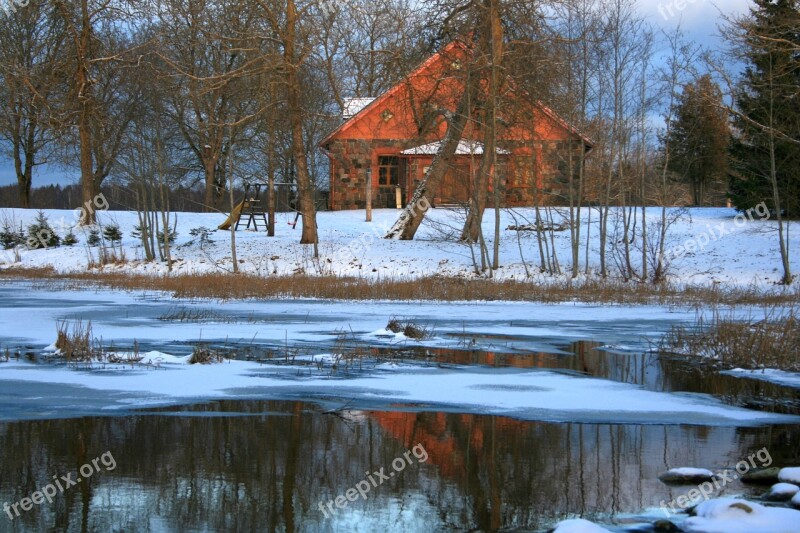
(254, 206)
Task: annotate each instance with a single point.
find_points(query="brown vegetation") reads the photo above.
(723, 340)
(224, 286)
(75, 342)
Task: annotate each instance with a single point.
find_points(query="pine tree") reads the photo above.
(767, 140)
(41, 234)
(700, 138)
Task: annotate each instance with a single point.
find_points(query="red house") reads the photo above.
(394, 137)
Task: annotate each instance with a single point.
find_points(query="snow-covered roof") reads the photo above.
(353, 105)
(464, 148)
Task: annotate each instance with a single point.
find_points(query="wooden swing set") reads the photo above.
(254, 206)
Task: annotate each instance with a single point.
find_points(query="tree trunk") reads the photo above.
(24, 171)
(413, 214)
(294, 101)
(491, 48)
(210, 168)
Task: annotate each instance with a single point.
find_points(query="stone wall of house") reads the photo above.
(551, 171)
(350, 160)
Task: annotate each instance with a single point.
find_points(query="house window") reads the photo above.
(388, 170)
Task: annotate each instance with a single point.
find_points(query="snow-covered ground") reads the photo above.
(722, 248)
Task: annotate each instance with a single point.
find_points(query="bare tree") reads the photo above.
(96, 50)
(30, 59)
(205, 49)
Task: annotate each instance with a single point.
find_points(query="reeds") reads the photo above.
(772, 341)
(75, 342)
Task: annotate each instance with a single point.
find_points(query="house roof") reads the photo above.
(465, 147)
(353, 105)
(391, 92)
(356, 108)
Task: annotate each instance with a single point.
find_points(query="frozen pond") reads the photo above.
(527, 414)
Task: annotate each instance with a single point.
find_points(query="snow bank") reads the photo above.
(729, 515)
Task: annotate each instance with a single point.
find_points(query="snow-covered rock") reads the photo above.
(686, 475)
(796, 500)
(790, 475)
(578, 525)
(781, 492)
(730, 515)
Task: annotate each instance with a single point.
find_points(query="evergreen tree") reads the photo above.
(700, 138)
(766, 148)
(41, 234)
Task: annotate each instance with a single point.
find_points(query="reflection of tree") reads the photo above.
(268, 468)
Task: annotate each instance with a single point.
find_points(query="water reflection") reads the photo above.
(265, 466)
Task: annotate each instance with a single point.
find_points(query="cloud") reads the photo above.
(699, 19)
(691, 14)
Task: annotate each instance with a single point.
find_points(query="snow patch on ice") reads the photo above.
(781, 377)
(579, 525)
(690, 472)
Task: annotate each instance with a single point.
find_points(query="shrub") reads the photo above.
(203, 234)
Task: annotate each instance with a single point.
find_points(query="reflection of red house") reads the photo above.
(394, 138)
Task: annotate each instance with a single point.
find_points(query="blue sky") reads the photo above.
(698, 18)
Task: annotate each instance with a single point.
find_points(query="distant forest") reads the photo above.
(119, 198)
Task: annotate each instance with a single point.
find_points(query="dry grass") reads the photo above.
(75, 341)
(770, 342)
(225, 286)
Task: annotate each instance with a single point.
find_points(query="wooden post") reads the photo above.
(369, 194)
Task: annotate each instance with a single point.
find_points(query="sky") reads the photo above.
(698, 19)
